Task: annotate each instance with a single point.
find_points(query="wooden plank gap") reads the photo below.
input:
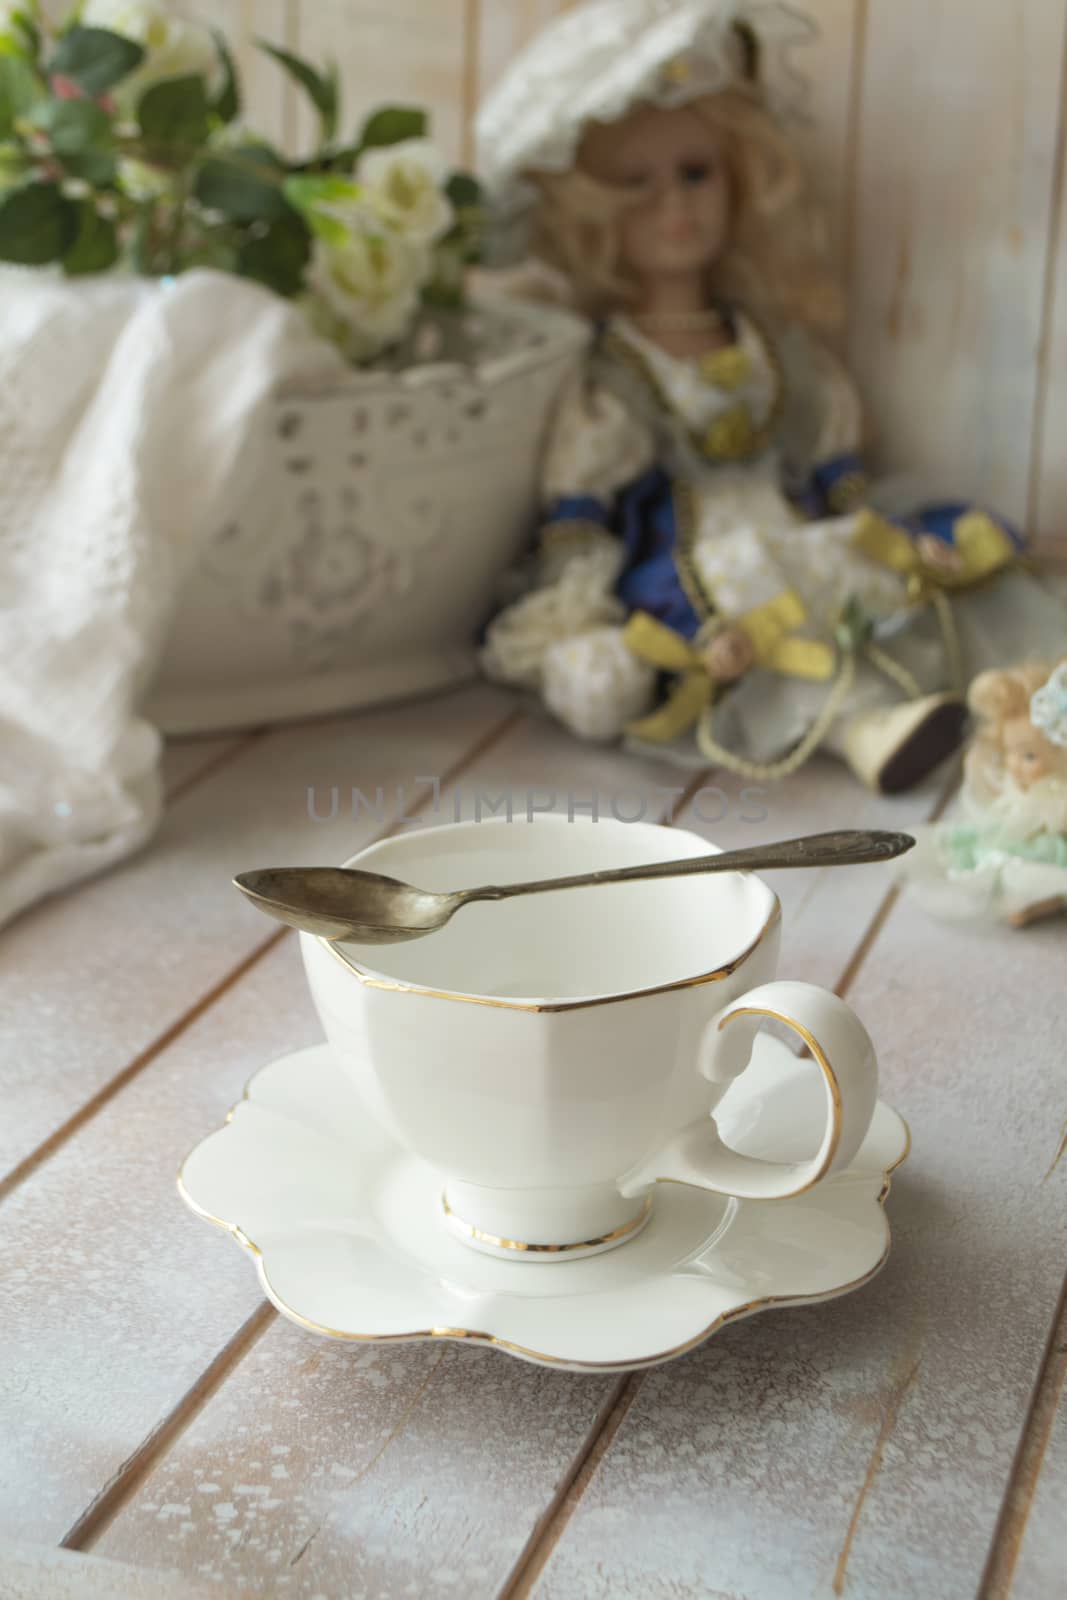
(870, 935)
(1048, 302)
(553, 1521)
(471, 86)
(491, 737)
(56, 1140)
(132, 1473)
(1058, 1157)
(890, 1413)
(213, 764)
(693, 787)
(291, 36)
(999, 1574)
(853, 125)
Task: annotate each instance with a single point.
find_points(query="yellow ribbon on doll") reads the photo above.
(981, 547)
(771, 630)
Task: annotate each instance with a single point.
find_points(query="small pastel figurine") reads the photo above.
(1006, 855)
(714, 576)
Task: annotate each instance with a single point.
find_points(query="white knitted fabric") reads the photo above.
(129, 429)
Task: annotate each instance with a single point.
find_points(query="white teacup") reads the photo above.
(554, 1056)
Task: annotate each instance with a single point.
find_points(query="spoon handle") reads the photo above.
(847, 848)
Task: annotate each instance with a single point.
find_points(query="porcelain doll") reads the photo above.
(1005, 856)
(711, 578)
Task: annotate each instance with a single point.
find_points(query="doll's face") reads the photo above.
(675, 166)
(1028, 755)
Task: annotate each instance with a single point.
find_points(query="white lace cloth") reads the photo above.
(129, 432)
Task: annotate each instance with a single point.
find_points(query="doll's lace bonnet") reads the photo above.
(596, 62)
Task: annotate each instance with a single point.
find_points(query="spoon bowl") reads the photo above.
(344, 903)
(370, 908)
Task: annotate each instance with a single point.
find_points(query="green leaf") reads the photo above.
(23, 37)
(175, 111)
(37, 225)
(306, 190)
(31, 33)
(96, 245)
(318, 198)
(391, 125)
(72, 125)
(333, 102)
(468, 233)
(95, 167)
(464, 191)
(447, 285)
(245, 184)
(80, 134)
(20, 87)
(278, 256)
(14, 166)
(321, 87)
(95, 59)
(227, 105)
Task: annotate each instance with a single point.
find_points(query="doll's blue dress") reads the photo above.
(729, 489)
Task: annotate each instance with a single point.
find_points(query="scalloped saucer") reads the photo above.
(349, 1238)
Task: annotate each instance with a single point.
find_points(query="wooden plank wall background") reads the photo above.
(937, 144)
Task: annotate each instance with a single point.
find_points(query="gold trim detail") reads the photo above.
(757, 436)
(686, 522)
(546, 1249)
(394, 986)
(474, 1336)
(572, 532)
(831, 1083)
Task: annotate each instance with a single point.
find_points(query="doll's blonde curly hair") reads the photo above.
(776, 263)
(1000, 699)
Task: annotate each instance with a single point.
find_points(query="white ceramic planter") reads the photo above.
(369, 557)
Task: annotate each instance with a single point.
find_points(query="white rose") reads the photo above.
(370, 284)
(173, 47)
(405, 182)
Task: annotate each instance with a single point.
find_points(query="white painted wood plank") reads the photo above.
(824, 912)
(409, 1471)
(823, 141)
(1049, 510)
(34, 1572)
(88, 980)
(405, 52)
(270, 99)
(116, 1298)
(952, 211)
(863, 1448)
(504, 27)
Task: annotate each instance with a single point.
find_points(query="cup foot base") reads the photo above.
(507, 1249)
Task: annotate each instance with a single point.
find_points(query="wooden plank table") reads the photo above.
(164, 1432)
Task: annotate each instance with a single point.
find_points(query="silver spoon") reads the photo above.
(346, 903)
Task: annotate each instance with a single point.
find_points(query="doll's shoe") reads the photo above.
(893, 750)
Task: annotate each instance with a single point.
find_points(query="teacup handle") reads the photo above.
(843, 1053)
